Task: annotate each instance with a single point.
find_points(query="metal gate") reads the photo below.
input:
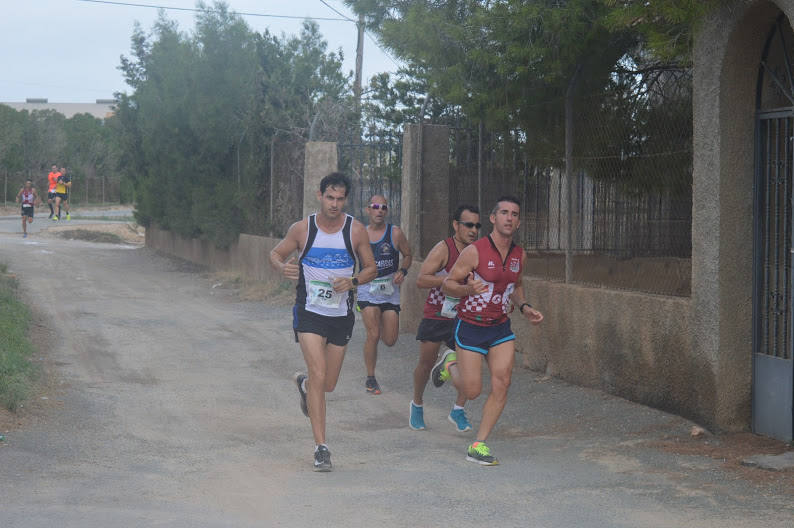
(773, 317)
(773, 367)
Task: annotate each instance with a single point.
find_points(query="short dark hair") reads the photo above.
(335, 179)
(464, 207)
(506, 198)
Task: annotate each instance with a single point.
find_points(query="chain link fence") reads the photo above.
(374, 167)
(628, 222)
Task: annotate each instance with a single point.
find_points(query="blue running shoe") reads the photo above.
(458, 417)
(417, 418)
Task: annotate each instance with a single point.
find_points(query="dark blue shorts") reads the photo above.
(482, 338)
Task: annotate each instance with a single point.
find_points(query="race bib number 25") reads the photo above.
(322, 293)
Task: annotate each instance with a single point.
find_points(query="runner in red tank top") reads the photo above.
(28, 196)
(438, 322)
(487, 278)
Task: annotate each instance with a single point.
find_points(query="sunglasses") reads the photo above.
(379, 206)
(471, 224)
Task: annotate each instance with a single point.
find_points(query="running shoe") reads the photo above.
(458, 417)
(322, 459)
(372, 385)
(299, 382)
(68, 216)
(24, 235)
(480, 453)
(416, 420)
(49, 217)
(55, 218)
(440, 372)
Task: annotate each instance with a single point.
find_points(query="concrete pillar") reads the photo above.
(425, 186)
(424, 210)
(320, 161)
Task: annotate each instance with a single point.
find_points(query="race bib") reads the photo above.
(449, 308)
(381, 287)
(27, 205)
(322, 294)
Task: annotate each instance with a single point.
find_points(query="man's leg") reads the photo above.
(323, 363)
(500, 362)
(25, 224)
(469, 368)
(428, 353)
(372, 317)
(389, 327)
(49, 202)
(58, 206)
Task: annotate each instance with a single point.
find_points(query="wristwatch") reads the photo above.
(354, 280)
(404, 272)
(521, 308)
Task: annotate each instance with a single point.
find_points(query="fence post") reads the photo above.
(569, 187)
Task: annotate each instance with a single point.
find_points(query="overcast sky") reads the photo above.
(68, 50)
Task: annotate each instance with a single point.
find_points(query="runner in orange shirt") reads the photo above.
(52, 181)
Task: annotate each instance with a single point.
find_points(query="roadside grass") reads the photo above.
(17, 373)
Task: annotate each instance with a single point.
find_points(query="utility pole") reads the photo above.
(357, 85)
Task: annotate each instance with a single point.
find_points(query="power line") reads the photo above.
(196, 10)
(374, 41)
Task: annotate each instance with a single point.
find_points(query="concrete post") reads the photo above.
(425, 186)
(425, 205)
(320, 161)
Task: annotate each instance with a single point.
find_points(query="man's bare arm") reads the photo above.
(405, 250)
(461, 282)
(435, 262)
(369, 269)
(289, 245)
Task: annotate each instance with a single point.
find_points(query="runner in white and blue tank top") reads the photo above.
(379, 301)
(327, 245)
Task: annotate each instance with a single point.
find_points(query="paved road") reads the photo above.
(13, 224)
(178, 411)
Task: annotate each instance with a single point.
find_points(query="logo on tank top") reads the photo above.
(515, 265)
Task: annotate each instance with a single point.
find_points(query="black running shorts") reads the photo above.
(437, 331)
(336, 330)
(27, 211)
(383, 306)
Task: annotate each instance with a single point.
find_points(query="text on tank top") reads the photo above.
(492, 306)
(325, 257)
(387, 258)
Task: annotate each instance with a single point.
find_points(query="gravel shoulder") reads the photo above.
(170, 403)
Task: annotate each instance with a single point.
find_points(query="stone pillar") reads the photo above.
(425, 186)
(320, 161)
(425, 205)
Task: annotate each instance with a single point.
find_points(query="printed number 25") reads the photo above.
(326, 294)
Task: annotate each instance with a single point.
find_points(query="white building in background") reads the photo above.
(101, 109)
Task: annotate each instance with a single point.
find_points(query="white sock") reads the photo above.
(318, 447)
(303, 384)
(414, 404)
(456, 407)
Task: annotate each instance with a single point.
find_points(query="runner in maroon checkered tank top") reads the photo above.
(487, 279)
(438, 322)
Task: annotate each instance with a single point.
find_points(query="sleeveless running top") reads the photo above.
(439, 306)
(27, 198)
(382, 290)
(325, 257)
(492, 306)
(60, 186)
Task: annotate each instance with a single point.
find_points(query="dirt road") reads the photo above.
(177, 410)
